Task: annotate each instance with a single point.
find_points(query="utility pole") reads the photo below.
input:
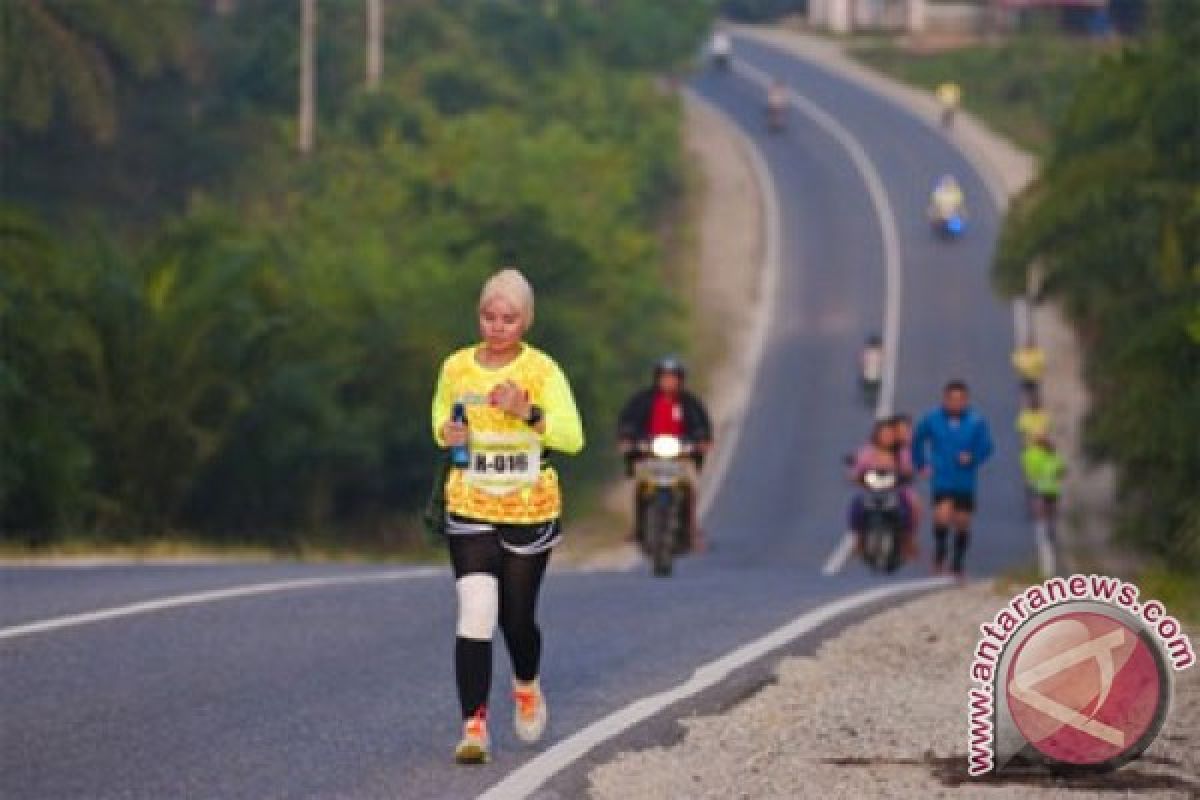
(374, 43)
(308, 76)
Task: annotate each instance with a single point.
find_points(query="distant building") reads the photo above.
(846, 16)
(920, 16)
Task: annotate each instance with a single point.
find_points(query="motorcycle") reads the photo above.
(665, 478)
(948, 224)
(870, 374)
(883, 521)
(721, 52)
(776, 116)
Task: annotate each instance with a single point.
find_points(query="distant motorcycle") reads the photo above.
(948, 224)
(883, 521)
(665, 480)
(870, 370)
(721, 51)
(776, 118)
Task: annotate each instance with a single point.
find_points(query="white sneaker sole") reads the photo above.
(472, 753)
(530, 732)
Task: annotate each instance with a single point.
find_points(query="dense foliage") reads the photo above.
(1113, 228)
(205, 332)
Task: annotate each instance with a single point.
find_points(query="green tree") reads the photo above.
(70, 53)
(1113, 226)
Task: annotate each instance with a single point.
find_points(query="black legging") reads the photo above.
(519, 579)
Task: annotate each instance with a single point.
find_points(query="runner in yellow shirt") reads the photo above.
(1033, 421)
(949, 96)
(1029, 362)
(503, 506)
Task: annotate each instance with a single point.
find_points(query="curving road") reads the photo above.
(344, 689)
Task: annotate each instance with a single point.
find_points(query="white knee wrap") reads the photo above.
(478, 605)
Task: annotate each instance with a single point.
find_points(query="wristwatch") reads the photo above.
(535, 416)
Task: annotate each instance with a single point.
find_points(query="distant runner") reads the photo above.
(1029, 361)
(949, 96)
(1044, 469)
(955, 441)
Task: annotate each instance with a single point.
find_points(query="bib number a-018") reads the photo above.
(501, 463)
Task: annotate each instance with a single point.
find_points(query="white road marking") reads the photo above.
(892, 265)
(210, 596)
(768, 283)
(531, 775)
(837, 559)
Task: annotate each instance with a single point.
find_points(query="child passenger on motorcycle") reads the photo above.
(880, 453)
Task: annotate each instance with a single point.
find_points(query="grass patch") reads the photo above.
(1020, 87)
(1178, 591)
(1017, 578)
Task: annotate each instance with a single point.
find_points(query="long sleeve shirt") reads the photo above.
(498, 487)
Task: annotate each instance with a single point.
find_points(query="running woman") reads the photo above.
(503, 508)
(956, 439)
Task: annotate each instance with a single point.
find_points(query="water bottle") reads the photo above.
(459, 456)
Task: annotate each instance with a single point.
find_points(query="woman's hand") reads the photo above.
(454, 434)
(511, 399)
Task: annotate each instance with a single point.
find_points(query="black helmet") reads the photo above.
(669, 364)
(874, 340)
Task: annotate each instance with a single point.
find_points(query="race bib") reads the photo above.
(503, 462)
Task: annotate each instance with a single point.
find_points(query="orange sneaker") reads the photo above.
(473, 747)
(530, 715)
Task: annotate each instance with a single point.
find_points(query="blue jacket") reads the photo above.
(945, 438)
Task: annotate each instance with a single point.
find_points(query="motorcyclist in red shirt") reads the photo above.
(666, 408)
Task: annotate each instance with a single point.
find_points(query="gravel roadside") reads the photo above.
(823, 730)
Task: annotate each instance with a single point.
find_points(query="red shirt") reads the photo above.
(666, 415)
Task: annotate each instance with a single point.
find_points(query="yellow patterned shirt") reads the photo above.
(463, 379)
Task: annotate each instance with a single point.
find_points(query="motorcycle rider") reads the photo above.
(666, 408)
(947, 199)
(776, 104)
(721, 48)
(870, 361)
(880, 453)
(954, 440)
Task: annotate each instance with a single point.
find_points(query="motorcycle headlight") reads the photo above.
(879, 481)
(666, 447)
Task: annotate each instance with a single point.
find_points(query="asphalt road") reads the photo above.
(346, 690)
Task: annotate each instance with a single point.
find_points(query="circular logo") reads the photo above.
(1088, 689)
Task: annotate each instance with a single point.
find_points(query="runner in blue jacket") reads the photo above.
(954, 439)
